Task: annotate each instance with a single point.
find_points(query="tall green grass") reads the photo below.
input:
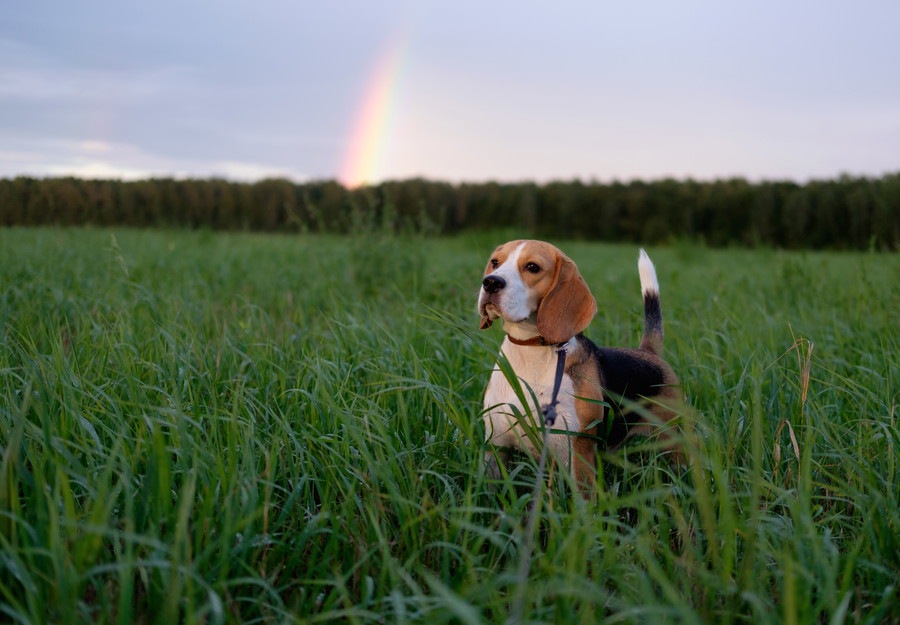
(211, 428)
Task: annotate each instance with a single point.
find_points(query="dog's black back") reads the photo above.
(626, 376)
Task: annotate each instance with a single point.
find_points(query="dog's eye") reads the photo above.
(495, 263)
(532, 268)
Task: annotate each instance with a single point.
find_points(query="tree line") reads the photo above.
(843, 213)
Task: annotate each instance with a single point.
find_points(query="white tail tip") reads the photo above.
(649, 284)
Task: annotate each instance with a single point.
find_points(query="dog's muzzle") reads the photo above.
(489, 309)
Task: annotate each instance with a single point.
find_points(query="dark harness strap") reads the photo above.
(550, 410)
(534, 341)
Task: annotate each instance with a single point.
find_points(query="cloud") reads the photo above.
(253, 171)
(95, 158)
(76, 86)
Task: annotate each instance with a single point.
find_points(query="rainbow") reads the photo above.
(365, 157)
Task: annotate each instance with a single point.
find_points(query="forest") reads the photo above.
(843, 213)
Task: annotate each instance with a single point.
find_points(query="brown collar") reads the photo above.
(534, 340)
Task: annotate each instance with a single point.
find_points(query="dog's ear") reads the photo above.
(568, 307)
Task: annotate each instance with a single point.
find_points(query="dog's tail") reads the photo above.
(652, 340)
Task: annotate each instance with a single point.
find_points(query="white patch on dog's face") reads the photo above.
(515, 302)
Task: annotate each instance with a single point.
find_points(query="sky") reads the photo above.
(364, 91)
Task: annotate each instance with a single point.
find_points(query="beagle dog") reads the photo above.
(606, 394)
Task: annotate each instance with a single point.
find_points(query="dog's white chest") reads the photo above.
(506, 419)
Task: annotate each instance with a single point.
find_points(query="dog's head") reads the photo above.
(532, 282)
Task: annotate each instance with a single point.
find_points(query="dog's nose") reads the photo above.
(492, 284)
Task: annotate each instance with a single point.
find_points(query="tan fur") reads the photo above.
(580, 367)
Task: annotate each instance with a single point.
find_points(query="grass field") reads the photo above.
(211, 428)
